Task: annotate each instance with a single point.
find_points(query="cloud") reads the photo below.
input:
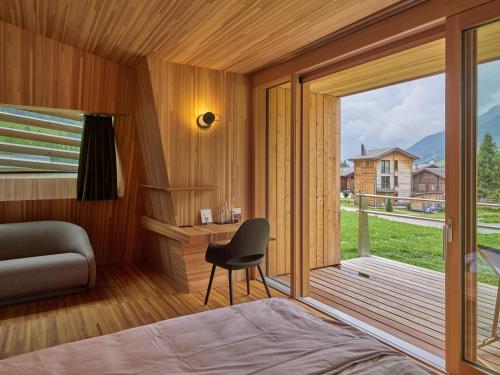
(400, 115)
(397, 115)
(488, 86)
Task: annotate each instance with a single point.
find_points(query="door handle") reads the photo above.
(447, 236)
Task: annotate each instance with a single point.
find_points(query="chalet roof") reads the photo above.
(377, 153)
(440, 172)
(346, 171)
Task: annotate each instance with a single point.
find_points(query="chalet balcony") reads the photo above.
(385, 189)
(403, 301)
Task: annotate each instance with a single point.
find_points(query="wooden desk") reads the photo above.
(185, 261)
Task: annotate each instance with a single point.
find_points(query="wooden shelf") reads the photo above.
(179, 188)
(193, 233)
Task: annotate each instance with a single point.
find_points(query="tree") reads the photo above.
(344, 164)
(488, 173)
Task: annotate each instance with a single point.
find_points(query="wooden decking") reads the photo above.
(402, 300)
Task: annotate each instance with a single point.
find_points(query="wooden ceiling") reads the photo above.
(234, 35)
(421, 61)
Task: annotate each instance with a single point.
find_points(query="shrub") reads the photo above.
(345, 193)
(388, 205)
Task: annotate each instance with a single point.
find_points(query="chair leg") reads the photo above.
(230, 287)
(210, 283)
(247, 270)
(264, 281)
(495, 318)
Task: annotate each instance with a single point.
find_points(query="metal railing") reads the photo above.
(364, 212)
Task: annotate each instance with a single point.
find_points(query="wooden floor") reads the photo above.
(126, 296)
(403, 300)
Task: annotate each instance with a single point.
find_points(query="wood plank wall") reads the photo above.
(324, 180)
(219, 156)
(157, 203)
(37, 71)
(279, 179)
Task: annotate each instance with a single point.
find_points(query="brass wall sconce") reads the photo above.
(206, 120)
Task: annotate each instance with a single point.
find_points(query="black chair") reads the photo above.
(246, 249)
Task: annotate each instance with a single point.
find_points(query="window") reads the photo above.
(396, 182)
(396, 165)
(385, 166)
(42, 140)
(385, 182)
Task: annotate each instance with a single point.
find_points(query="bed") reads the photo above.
(273, 336)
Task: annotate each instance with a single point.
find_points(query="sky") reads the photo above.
(402, 114)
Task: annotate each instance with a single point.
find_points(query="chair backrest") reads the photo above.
(251, 238)
(491, 256)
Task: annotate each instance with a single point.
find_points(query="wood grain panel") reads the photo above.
(279, 179)
(157, 203)
(419, 18)
(323, 179)
(40, 72)
(37, 186)
(219, 156)
(229, 35)
(421, 61)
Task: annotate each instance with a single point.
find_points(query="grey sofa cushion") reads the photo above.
(37, 238)
(41, 274)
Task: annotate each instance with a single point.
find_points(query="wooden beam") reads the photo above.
(12, 162)
(305, 188)
(167, 230)
(40, 123)
(395, 26)
(179, 188)
(40, 137)
(299, 270)
(400, 44)
(33, 150)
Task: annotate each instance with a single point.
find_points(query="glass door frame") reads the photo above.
(259, 99)
(460, 175)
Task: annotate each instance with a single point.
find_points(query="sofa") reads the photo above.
(43, 259)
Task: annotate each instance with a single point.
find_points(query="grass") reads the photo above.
(408, 243)
(488, 215)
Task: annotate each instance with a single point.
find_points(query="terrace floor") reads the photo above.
(403, 300)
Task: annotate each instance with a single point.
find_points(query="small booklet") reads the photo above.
(206, 216)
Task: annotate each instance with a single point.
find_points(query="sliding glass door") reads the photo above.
(481, 253)
(473, 220)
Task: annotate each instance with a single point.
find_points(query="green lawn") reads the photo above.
(407, 243)
(488, 215)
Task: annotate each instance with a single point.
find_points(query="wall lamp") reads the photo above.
(206, 120)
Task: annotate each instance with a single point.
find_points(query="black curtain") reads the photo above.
(97, 168)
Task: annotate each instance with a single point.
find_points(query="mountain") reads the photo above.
(431, 148)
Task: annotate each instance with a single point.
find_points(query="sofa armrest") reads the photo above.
(78, 241)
